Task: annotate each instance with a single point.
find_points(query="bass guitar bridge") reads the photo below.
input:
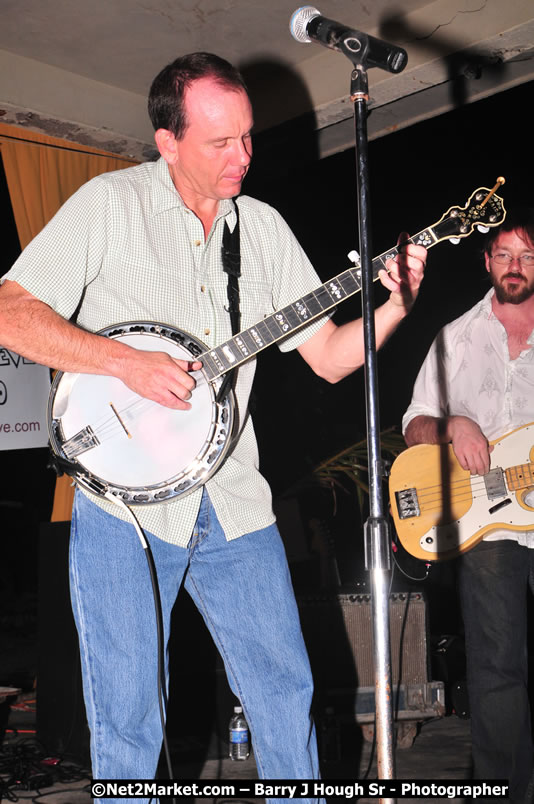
(407, 503)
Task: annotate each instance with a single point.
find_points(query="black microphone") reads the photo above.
(307, 25)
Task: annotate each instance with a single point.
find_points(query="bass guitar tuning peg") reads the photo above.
(354, 257)
(482, 229)
(454, 240)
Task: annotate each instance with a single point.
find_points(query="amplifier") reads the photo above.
(338, 631)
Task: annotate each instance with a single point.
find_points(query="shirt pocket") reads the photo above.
(255, 301)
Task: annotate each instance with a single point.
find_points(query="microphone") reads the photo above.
(307, 25)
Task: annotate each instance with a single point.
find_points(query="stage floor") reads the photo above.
(440, 752)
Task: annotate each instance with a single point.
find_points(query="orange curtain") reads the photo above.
(41, 173)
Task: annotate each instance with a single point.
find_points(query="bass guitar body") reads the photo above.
(440, 510)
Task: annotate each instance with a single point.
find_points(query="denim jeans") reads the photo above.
(494, 582)
(242, 589)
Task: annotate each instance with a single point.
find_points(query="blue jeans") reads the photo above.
(494, 581)
(242, 589)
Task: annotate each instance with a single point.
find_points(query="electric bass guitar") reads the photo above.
(440, 510)
(112, 441)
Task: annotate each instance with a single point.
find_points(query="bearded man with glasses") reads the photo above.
(477, 384)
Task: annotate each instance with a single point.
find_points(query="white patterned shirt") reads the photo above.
(127, 247)
(468, 372)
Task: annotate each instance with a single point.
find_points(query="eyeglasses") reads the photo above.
(525, 260)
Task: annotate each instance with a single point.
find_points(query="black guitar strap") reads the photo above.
(231, 260)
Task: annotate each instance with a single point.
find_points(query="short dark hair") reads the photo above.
(520, 219)
(166, 106)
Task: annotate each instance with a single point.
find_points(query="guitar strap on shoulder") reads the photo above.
(231, 260)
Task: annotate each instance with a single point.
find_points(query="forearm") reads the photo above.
(427, 430)
(343, 350)
(335, 352)
(469, 443)
(31, 328)
(441, 430)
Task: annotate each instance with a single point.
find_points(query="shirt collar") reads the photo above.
(487, 305)
(165, 196)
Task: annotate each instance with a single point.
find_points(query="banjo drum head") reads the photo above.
(143, 446)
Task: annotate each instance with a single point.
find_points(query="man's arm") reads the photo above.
(335, 352)
(469, 443)
(31, 328)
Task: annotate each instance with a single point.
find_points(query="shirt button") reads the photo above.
(202, 289)
(198, 242)
(207, 331)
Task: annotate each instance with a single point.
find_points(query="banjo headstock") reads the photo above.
(483, 210)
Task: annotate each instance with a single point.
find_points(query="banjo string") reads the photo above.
(108, 426)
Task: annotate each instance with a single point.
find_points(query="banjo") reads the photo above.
(115, 442)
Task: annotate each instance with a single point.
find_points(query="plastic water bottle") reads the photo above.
(239, 736)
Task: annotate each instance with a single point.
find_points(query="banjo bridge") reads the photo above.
(79, 443)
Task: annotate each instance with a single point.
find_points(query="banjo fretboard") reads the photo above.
(483, 209)
(274, 327)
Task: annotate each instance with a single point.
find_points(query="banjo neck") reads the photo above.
(278, 325)
(483, 209)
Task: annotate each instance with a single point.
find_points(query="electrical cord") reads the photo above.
(162, 682)
(420, 579)
(26, 766)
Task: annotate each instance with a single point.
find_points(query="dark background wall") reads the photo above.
(416, 174)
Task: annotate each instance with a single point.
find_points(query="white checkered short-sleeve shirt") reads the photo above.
(124, 247)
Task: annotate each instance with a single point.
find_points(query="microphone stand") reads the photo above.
(376, 529)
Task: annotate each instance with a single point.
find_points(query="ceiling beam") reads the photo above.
(457, 53)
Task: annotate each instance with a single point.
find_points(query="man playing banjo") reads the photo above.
(145, 244)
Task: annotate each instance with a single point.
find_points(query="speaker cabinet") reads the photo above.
(338, 630)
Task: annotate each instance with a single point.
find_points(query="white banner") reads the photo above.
(24, 389)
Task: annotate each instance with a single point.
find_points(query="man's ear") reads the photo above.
(167, 145)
